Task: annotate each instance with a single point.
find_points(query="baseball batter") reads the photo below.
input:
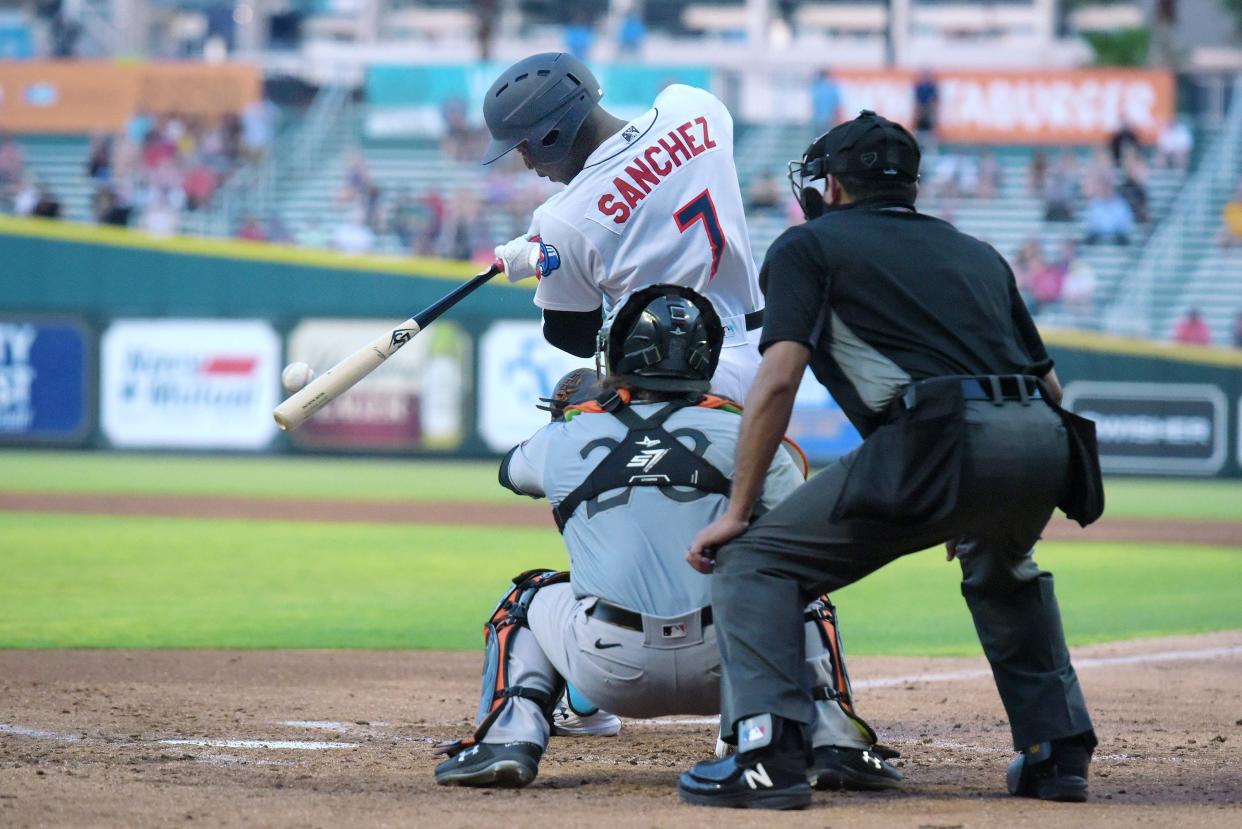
(631, 475)
(651, 200)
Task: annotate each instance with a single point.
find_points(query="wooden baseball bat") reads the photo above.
(344, 375)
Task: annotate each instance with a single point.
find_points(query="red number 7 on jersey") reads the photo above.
(701, 208)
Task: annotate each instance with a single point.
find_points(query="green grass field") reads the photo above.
(100, 581)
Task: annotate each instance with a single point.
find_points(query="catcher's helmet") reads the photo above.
(662, 338)
(578, 386)
(541, 101)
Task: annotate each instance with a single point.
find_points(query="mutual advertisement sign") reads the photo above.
(405, 100)
(516, 368)
(1157, 428)
(190, 384)
(819, 425)
(44, 381)
(416, 400)
(1046, 107)
(85, 96)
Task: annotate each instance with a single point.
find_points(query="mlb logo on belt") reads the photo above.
(677, 631)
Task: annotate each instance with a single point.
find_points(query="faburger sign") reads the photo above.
(1159, 428)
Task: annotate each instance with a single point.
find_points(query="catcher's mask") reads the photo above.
(578, 386)
(869, 146)
(662, 338)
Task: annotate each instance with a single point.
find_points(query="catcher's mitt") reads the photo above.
(578, 386)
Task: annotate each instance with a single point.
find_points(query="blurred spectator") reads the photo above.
(631, 33)
(200, 185)
(1231, 216)
(1125, 138)
(1037, 173)
(989, 186)
(99, 160)
(1174, 144)
(926, 107)
(46, 205)
(12, 169)
(825, 101)
(1237, 331)
(258, 128)
(1108, 217)
(1061, 190)
(161, 209)
(485, 14)
(1133, 186)
(1078, 291)
(1193, 329)
(764, 193)
(26, 196)
(139, 125)
(955, 175)
(1029, 261)
(1046, 284)
(109, 208)
(251, 230)
(313, 235)
(579, 37)
(353, 235)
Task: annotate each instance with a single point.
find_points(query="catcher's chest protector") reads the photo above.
(648, 455)
(507, 619)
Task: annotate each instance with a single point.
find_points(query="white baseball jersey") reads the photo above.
(659, 202)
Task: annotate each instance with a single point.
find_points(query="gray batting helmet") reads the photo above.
(543, 101)
(663, 338)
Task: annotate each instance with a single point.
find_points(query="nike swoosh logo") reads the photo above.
(601, 644)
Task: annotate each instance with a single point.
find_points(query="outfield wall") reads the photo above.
(113, 339)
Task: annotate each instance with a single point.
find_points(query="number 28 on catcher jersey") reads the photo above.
(657, 202)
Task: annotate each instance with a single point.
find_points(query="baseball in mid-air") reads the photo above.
(296, 375)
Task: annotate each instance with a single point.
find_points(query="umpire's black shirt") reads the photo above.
(885, 296)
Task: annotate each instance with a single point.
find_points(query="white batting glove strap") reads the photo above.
(521, 258)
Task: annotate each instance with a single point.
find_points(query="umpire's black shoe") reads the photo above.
(769, 773)
(856, 769)
(1053, 771)
(499, 765)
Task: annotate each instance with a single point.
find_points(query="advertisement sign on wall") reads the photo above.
(44, 380)
(819, 425)
(516, 368)
(193, 384)
(85, 96)
(416, 400)
(1157, 428)
(1046, 107)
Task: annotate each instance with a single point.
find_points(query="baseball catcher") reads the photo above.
(632, 468)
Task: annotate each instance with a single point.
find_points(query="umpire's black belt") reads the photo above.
(996, 388)
(622, 618)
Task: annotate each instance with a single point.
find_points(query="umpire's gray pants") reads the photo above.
(1015, 471)
(639, 673)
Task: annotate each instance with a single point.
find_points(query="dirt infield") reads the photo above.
(84, 740)
(519, 514)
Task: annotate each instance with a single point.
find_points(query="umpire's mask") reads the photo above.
(870, 146)
(662, 338)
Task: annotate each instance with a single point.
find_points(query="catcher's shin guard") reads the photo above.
(507, 619)
(824, 615)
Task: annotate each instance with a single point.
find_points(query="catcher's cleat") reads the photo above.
(769, 773)
(491, 765)
(567, 723)
(1053, 771)
(856, 769)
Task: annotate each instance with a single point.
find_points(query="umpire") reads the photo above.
(919, 332)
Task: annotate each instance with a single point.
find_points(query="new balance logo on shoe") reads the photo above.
(758, 776)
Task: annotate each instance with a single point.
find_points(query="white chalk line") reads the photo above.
(295, 745)
(979, 673)
(332, 725)
(37, 733)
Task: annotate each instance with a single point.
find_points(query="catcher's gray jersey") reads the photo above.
(628, 546)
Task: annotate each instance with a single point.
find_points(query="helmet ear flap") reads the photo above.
(812, 201)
